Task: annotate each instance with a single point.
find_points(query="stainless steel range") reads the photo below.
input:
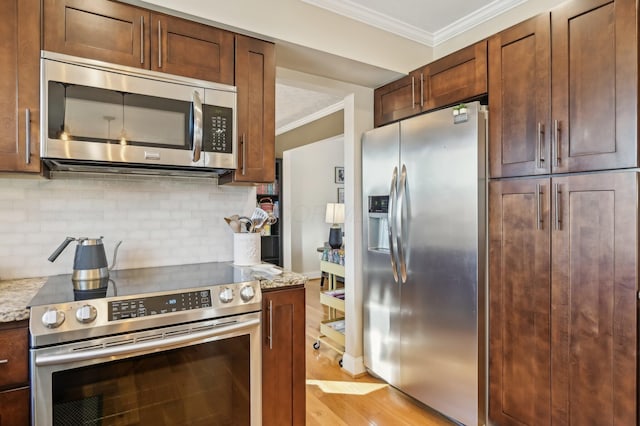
(168, 345)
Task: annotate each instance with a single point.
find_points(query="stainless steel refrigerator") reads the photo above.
(424, 258)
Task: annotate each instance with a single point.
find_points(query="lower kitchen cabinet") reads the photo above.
(14, 374)
(563, 299)
(14, 407)
(283, 357)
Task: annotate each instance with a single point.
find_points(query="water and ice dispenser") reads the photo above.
(378, 221)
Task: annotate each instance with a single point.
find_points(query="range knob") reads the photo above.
(247, 293)
(86, 314)
(226, 295)
(52, 318)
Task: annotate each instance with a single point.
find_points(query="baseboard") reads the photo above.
(353, 365)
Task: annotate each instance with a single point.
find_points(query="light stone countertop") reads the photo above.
(16, 294)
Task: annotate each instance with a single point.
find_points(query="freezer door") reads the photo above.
(443, 239)
(381, 301)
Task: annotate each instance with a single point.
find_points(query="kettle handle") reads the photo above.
(61, 248)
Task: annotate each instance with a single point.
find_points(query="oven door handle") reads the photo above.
(147, 346)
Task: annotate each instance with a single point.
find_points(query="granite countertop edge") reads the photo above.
(15, 294)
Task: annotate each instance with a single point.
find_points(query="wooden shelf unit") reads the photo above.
(332, 329)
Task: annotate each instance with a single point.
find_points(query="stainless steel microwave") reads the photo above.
(100, 116)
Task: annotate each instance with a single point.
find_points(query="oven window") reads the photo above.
(92, 114)
(205, 384)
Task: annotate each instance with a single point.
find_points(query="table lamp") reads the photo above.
(335, 216)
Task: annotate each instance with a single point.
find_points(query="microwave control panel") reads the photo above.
(217, 129)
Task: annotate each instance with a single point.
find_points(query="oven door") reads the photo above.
(203, 373)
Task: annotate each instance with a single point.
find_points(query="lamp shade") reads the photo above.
(335, 213)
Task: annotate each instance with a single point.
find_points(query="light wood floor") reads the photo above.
(335, 398)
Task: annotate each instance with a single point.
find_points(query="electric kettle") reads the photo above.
(90, 268)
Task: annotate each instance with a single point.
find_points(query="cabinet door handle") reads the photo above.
(142, 39)
(540, 144)
(421, 90)
(413, 93)
(270, 324)
(4, 361)
(556, 142)
(159, 44)
(27, 137)
(244, 152)
(538, 206)
(557, 200)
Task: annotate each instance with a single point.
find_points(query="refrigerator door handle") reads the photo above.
(390, 219)
(400, 225)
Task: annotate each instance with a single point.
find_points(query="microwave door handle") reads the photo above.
(197, 127)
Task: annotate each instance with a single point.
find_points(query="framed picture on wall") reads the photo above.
(339, 174)
(341, 195)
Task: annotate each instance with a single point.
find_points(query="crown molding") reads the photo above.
(310, 118)
(378, 20)
(474, 19)
(375, 19)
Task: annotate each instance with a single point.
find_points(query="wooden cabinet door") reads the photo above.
(594, 85)
(519, 302)
(283, 357)
(457, 77)
(98, 29)
(593, 300)
(255, 80)
(519, 83)
(14, 407)
(397, 100)
(191, 49)
(13, 351)
(19, 85)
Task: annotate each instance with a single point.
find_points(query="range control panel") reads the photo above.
(154, 305)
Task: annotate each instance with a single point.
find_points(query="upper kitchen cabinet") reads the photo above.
(396, 100)
(100, 29)
(256, 83)
(126, 35)
(594, 85)
(19, 85)
(191, 49)
(588, 121)
(519, 101)
(457, 77)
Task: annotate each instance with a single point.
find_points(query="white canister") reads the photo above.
(246, 248)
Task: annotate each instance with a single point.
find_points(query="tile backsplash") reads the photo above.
(161, 221)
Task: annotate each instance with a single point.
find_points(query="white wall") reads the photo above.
(162, 221)
(308, 176)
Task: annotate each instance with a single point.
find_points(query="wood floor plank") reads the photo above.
(382, 406)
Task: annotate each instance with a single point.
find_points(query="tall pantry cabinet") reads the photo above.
(563, 244)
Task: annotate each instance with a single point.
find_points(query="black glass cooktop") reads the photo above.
(143, 281)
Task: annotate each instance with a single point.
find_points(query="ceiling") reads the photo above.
(429, 22)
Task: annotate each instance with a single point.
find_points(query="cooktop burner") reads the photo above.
(141, 298)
